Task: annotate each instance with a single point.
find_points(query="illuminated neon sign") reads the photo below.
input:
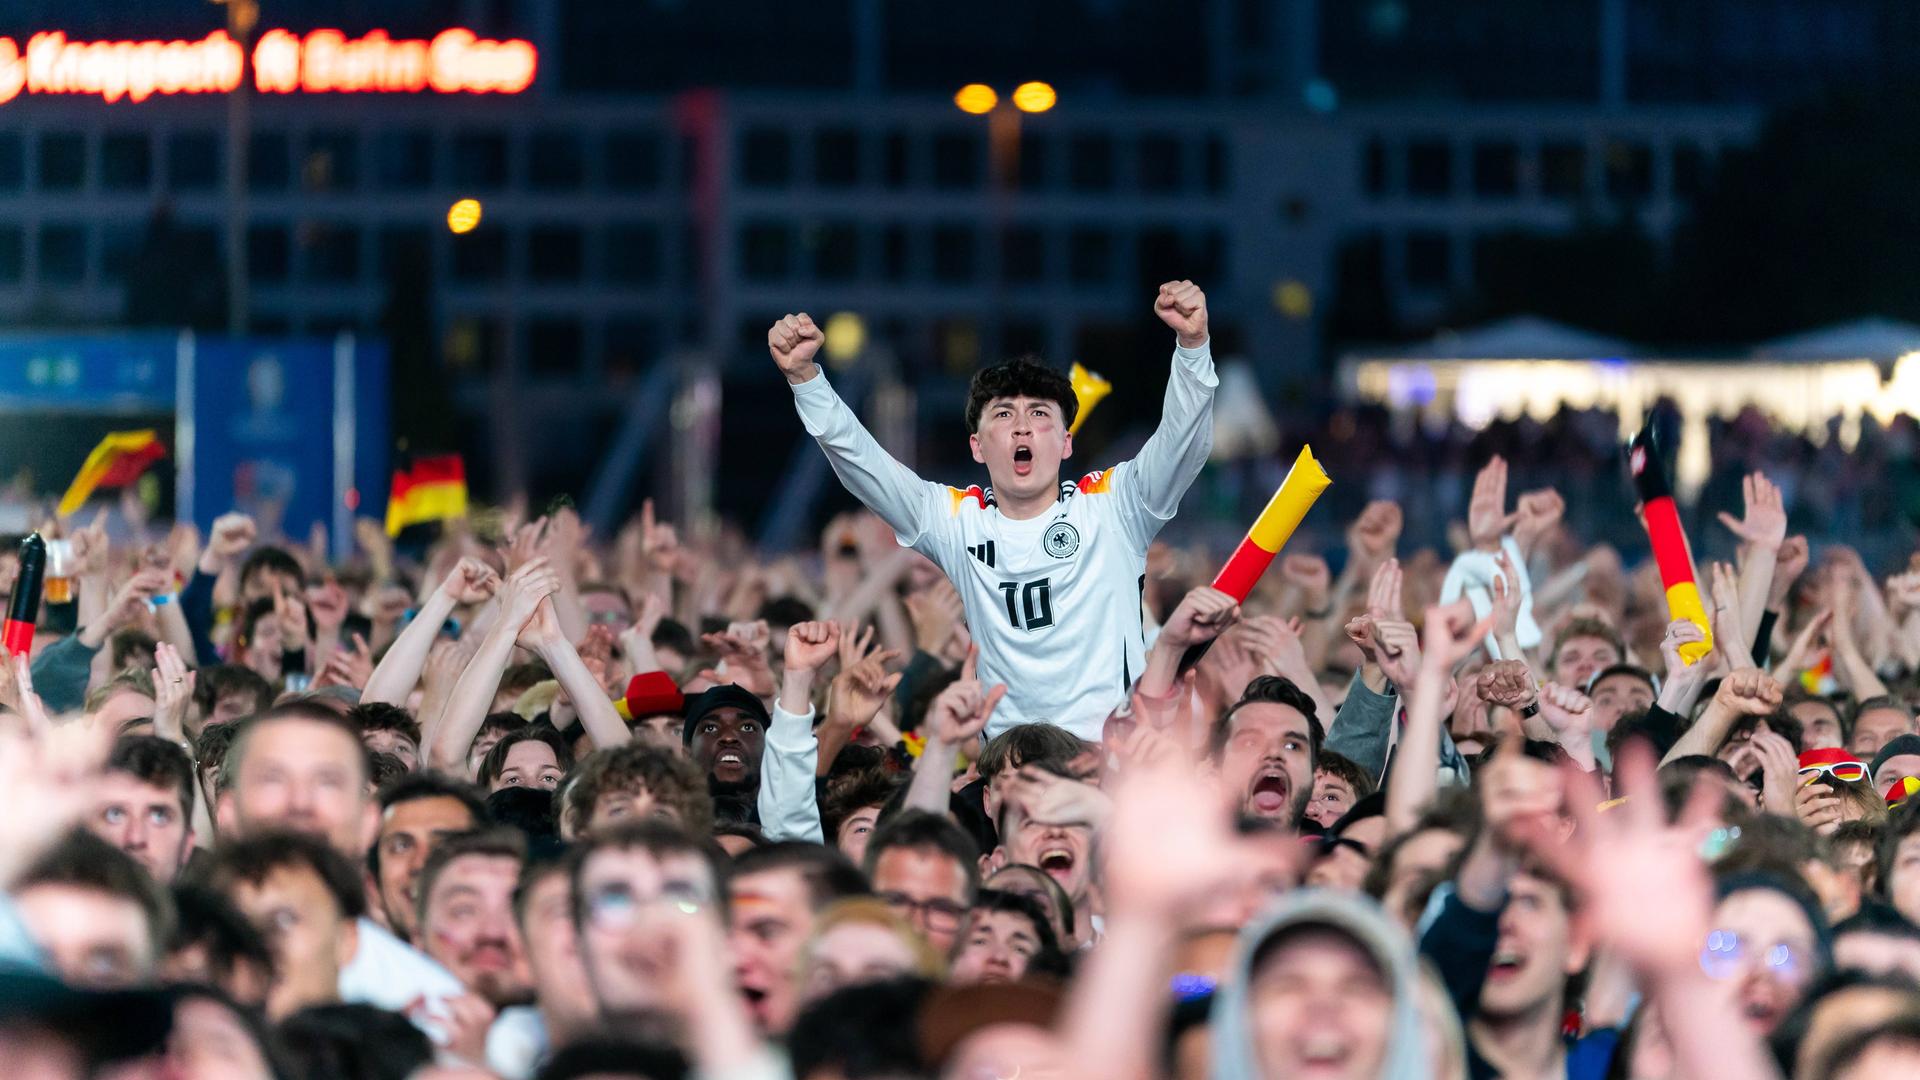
(455, 61)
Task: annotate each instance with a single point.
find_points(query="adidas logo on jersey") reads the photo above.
(983, 552)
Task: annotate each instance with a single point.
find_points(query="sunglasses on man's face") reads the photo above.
(1845, 771)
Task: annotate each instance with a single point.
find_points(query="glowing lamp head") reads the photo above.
(976, 98)
(1034, 97)
(846, 336)
(463, 216)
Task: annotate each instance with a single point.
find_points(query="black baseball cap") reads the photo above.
(724, 696)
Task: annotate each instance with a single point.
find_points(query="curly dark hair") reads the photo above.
(1024, 377)
(670, 777)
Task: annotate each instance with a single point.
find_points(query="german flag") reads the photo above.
(433, 489)
(118, 461)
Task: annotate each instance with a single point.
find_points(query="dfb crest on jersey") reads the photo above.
(1061, 540)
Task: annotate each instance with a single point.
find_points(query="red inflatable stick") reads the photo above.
(1669, 541)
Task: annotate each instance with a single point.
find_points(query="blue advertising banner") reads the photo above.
(291, 431)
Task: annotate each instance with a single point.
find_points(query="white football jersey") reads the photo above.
(1053, 602)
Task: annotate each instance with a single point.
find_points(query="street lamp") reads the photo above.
(1034, 97)
(976, 98)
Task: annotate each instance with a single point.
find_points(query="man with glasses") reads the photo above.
(927, 869)
(623, 877)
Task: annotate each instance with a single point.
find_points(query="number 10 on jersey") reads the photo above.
(1033, 600)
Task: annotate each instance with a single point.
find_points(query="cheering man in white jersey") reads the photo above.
(1051, 572)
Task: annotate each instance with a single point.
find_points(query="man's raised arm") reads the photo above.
(905, 502)
(1159, 475)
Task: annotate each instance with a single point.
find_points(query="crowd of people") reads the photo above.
(992, 784)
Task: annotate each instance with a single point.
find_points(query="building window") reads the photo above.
(193, 160)
(269, 253)
(403, 160)
(629, 344)
(633, 253)
(1429, 259)
(1690, 169)
(555, 161)
(1160, 165)
(403, 250)
(1090, 163)
(63, 253)
(1629, 169)
(63, 161)
(634, 161)
(480, 256)
(896, 160)
(766, 158)
(1374, 168)
(766, 251)
(480, 161)
(13, 161)
(332, 252)
(896, 253)
(269, 161)
(953, 254)
(555, 345)
(119, 247)
(836, 251)
(1214, 165)
(1563, 170)
(126, 161)
(1496, 169)
(836, 158)
(1034, 151)
(554, 254)
(13, 254)
(1023, 255)
(1430, 168)
(956, 161)
(1090, 256)
(332, 162)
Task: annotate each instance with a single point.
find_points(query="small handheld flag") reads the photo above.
(1668, 540)
(118, 461)
(1088, 389)
(433, 489)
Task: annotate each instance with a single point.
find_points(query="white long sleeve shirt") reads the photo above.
(788, 761)
(1053, 602)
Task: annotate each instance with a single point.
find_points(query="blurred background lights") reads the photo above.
(463, 216)
(1034, 97)
(976, 98)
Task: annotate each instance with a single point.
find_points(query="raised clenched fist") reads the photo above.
(794, 340)
(1182, 306)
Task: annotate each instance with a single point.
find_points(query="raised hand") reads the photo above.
(1535, 516)
(471, 582)
(529, 584)
(1385, 593)
(1567, 711)
(859, 692)
(1506, 683)
(347, 667)
(232, 535)
(1052, 799)
(1397, 648)
(1452, 634)
(1819, 808)
(811, 644)
(936, 613)
(855, 647)
(1765, 523)
(1487, 517)
(131, 601)
(793, 341)
(90, 548)
(659, 543)
(1310, 575)
(1373, 534)
(1182, 306)
(1506, 600)
(1787, 568)
(527, 544)
(1779, 771)
(1682, 680)
(1748, 692)
(1202, 615)
(1811, 639)
(172, 692)
(961, 711)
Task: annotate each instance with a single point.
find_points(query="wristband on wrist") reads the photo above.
(1530, 710)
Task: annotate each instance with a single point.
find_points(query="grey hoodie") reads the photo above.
(1234, 1055)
